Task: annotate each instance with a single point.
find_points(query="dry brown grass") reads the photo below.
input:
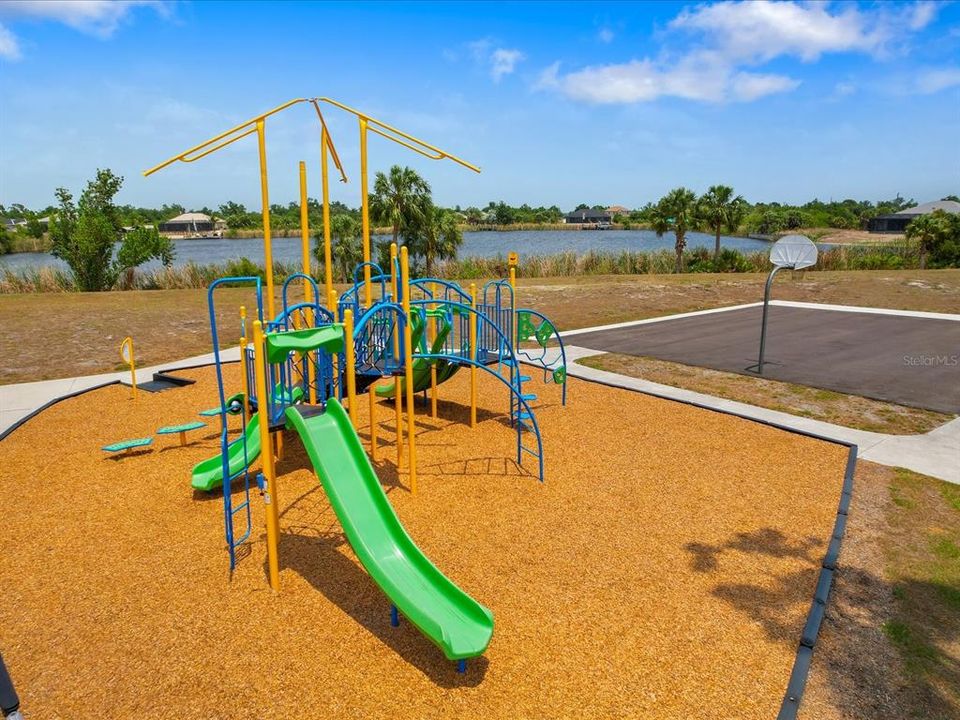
(663, 570)
(61, 335)
(827, 405)
(890, 644)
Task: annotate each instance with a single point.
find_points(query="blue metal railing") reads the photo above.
(456, 350)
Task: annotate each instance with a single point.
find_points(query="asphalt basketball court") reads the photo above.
(906, 359)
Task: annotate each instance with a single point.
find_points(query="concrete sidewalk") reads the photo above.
(937, 453)
(18, 401)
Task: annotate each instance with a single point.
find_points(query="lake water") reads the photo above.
(475, 244)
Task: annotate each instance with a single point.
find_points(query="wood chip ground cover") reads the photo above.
(664, 570)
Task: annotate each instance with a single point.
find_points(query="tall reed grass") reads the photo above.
(565, 264)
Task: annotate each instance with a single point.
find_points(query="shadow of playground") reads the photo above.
(319, 560)
(859, 632)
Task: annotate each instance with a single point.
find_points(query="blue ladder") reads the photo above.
(229, 509)
(521, 414)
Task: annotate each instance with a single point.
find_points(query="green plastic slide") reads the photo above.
(421, 367)
(208, 474)
(459, 625)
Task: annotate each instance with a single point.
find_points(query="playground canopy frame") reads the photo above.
(257, 125)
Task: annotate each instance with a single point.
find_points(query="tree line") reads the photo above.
(94, 236)
(761, 217)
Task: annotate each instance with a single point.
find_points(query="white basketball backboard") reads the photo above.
(794, 252)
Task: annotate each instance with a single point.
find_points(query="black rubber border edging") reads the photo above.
(160, 374)
(797, 682)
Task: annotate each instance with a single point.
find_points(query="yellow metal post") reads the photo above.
(365, 209)
(327, 252)
(307, 287)
(267, 462)
(244, 382)
(397, 397)
(305, 232)
(408, 368)
(127, 345)
(350, 369)
(265, 212)
(473, 354)
(335, 357)
(433, 363)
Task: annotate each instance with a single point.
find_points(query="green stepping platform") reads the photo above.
(181, 429)
(127, 445)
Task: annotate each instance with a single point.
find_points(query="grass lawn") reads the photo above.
(890, 644)
(61, 335)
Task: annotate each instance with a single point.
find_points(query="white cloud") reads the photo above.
(701, 76)
(605, 35)
(750, 86)
(932, 81)
(500, 60)
(480, 49)
(921, 14)
(549, 77)
(96, 17)
(765, 30)
(9, 47)
(100, 18)
(504, 61)
(731, 39)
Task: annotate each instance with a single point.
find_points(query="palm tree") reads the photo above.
(398, 198)
(926, 231)
(676, 211)
(719, 209)
(436, 237)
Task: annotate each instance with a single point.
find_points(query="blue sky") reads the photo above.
(558, 103)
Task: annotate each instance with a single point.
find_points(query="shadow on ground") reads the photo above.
(319, 559)
(862, 631)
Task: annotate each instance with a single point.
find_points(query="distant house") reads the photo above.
(191, 224)
(588, 216)
(616, 210)
(897, 222)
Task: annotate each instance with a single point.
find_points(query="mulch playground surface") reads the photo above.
(663, 570)
(905, 360)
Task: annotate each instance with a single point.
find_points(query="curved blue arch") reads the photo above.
(299, 276)
(360, 332)
(540, 360)
(447, 284)
(460, 360)
(351, 297)
(504, 346)
(284, 315)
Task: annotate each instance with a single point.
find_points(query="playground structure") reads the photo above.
(302, 364)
